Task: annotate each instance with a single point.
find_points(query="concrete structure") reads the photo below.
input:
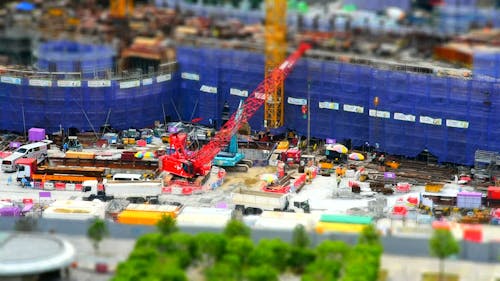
(33, 255)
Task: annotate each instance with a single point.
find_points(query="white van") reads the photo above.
(127, 177)
(36, 150)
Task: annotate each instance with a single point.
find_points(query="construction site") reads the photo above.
(330, 114)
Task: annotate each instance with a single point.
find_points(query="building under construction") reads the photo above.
(399, 108)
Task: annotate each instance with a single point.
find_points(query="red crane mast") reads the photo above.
(187, 164)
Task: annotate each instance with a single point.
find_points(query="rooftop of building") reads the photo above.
(33, 253)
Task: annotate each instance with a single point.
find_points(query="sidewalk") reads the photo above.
(403, 268)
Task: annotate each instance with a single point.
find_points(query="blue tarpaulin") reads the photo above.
(25, 6)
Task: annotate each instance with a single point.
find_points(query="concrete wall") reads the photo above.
(406, 246)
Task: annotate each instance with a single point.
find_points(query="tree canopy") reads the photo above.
(233, 256)
(97, 231)
(442, 245)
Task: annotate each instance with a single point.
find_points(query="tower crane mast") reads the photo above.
(275, 52)
(121, 8)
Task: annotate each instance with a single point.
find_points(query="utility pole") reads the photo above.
(308, 115)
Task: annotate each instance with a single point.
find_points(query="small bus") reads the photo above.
(36, 150)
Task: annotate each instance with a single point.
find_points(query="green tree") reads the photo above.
(362, 263)
(167, 225)
(272, 252)
(262, 273)
(180, 245)
(170, 273)
(332, 250)
(236, 228)
(26, 224)
(442, 245)
(330, 256)
(132, 269)
(300, 237)
(222, 271)
(96, 232)
(322, 270)
(300, 258)
(369, 235)
(212, 247)
(149, 240)
(240, 246)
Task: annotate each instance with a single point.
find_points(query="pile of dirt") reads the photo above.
(249, 179)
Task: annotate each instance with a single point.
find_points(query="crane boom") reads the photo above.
(199, 162)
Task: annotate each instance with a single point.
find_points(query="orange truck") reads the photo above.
(28, 170)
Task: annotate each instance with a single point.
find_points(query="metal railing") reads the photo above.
(164, 68)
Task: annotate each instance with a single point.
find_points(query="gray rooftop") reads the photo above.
(32, 253)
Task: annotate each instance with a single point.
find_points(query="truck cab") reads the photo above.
(25, 167)
(299, 205)
(291, 156)
(96, 191)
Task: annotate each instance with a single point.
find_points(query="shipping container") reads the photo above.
(199, 216)
(285, 220)
(494, 192)
(74, 209)
(322, 227)
(469, 200)
(347, 219)
(433, 187)
(80, 155)
(142, 217)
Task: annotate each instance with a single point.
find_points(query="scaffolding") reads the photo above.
(418, 108)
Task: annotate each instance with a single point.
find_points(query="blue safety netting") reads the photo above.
(378, 5)
(69, 56)
(487, 63)
(450, 117)
(47, 104)
(204, 71)
(245, 15)
(455, 18)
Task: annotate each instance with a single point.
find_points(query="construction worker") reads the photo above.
(381, 160)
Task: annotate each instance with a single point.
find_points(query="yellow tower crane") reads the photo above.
(275, 52)
(121, 8)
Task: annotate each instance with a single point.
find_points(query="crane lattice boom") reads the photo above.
(200, 161)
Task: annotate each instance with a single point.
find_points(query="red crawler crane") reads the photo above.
(189, 165)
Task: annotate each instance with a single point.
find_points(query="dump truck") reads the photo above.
(132, 190)
(255, 202)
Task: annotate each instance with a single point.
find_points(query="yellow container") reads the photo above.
(322, 227)
(142, 217)
(392, 164)
(283, 145)
(80, 154)
(433, 187)
(325, 164)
